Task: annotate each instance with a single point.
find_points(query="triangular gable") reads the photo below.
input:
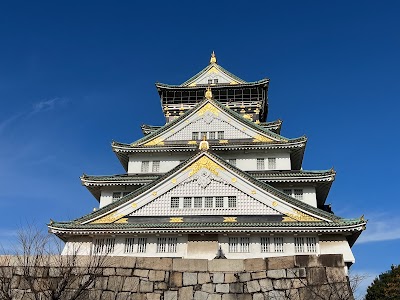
(193, 171)
(211, 72)
(210, 114)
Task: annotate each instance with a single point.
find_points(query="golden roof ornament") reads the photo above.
(213, 59)
(204, 146)
(208, 93)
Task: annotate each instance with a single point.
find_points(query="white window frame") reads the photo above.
(141, 245)
(271, 244)
(175, 202)
(232, 202)
(260, 164)
(155, 166)
(195, 135)
(297, 193)
(167, 244)
(239, 244)
(145, 166)
(103, 245)
(271, 163)
(232, 161)
(118, 195)
(220, 135)
(129, 245)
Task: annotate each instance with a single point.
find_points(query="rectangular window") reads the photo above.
(211, 135)
(266, 244)
(215, 81)
(174, 202)
(232, 161)
(116, 196)
(129, 244)
(220, 135)
(156, 166)
(311, 244)
(209, 81)
(260, 164)
(167, 244)
(299, 244)
(208, 202)
(288, 192)
(145, 167)
(195, 136)
(142, 245)
(104, 246)
(187, 202)
(219, 202)
(271, 163)
(198, 202)
(298, 194)
(278, 244)
(203, 134)
(232, 201)
(239, 244)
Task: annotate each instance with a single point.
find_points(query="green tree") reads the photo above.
(386, 286)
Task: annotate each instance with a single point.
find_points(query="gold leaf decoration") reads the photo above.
(173, 180)
(192, 143)
(274, 203)
(176, 220)
(122, 220)
(206, 163)
(154, 194)
(156, 141)
(208, 107)
(299, 216)
(230, 219)
(234, 179)
(259, 138)
(134, 205)
(110, 218)
(223, 141)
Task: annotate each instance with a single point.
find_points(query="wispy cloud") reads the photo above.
(381, 228)
(47, 105)
(5, 123)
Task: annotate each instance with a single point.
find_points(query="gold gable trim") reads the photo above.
(205, 163)
(156, 141)
(176, 220)
(300, 217)
(260, 138)
(208, 107)
(230, 219)
(110, 218)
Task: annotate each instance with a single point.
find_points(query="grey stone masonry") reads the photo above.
(292, 278)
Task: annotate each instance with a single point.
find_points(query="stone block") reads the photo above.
(189, 279)
(200, 295)
(141, 273)
(254, 264)
(160, 286)
(156, 275)
(214, 297)
(175, 279)
(266, 285)
(282, 284)
(278, 295)
(244, 297)
(259, 275)
(229, 297)
(331, 260)
(208, 287)
(244, 277)
(131, 284)
(203, 278)
(186, 292)
(108, 271)
(154, 263)
(137, 297)
(170, 295)
(231, 277)
(146, 286)
(258, 296)
(115, 283)
(123, 296)
(100, 283)
(276, 274)
(226, 265)
(153, 296)
(236, 288)
(123, 272)
(218, 277)
(108, 295)
(281, 262)
(296, 273)
(335, 274)
(253, 286)
(222, 288)
(121, 261)
(316, 276)
(189, 265)
(94, 294)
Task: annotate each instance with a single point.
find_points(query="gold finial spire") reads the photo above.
(204, 146)
(208, 93)
(213, 59)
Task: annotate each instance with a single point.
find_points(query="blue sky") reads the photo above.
(76, 75)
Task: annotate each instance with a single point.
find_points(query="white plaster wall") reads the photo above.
(106, 197)
(168, 161)
(77, 246)
(248, 161)
(331, 244)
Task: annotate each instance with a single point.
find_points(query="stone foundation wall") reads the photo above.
(130, 278)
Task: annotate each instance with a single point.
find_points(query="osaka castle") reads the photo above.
(217, 180)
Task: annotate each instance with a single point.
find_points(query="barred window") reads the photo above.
(211, 135)
(266, 245)
(239, 244)
(145, 167)
(167, 244)
(142, 245)
(156, 166)
(278, 244)
(172, 242)
(104, 246)
(219, 202)
(260, 164)
(232, 201)
(129, 245)
(216, 81)
(161, 244)
(203, 134)
(298, 194)
(288, 192)
(220, 135)
(232, 161)
(175, 202)
(271, 163)
(198, 202)
(311, 244)
(299, 244)
(195, 136)
(187, 202)
(208, 202)
(209, 81)
(116, 196)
